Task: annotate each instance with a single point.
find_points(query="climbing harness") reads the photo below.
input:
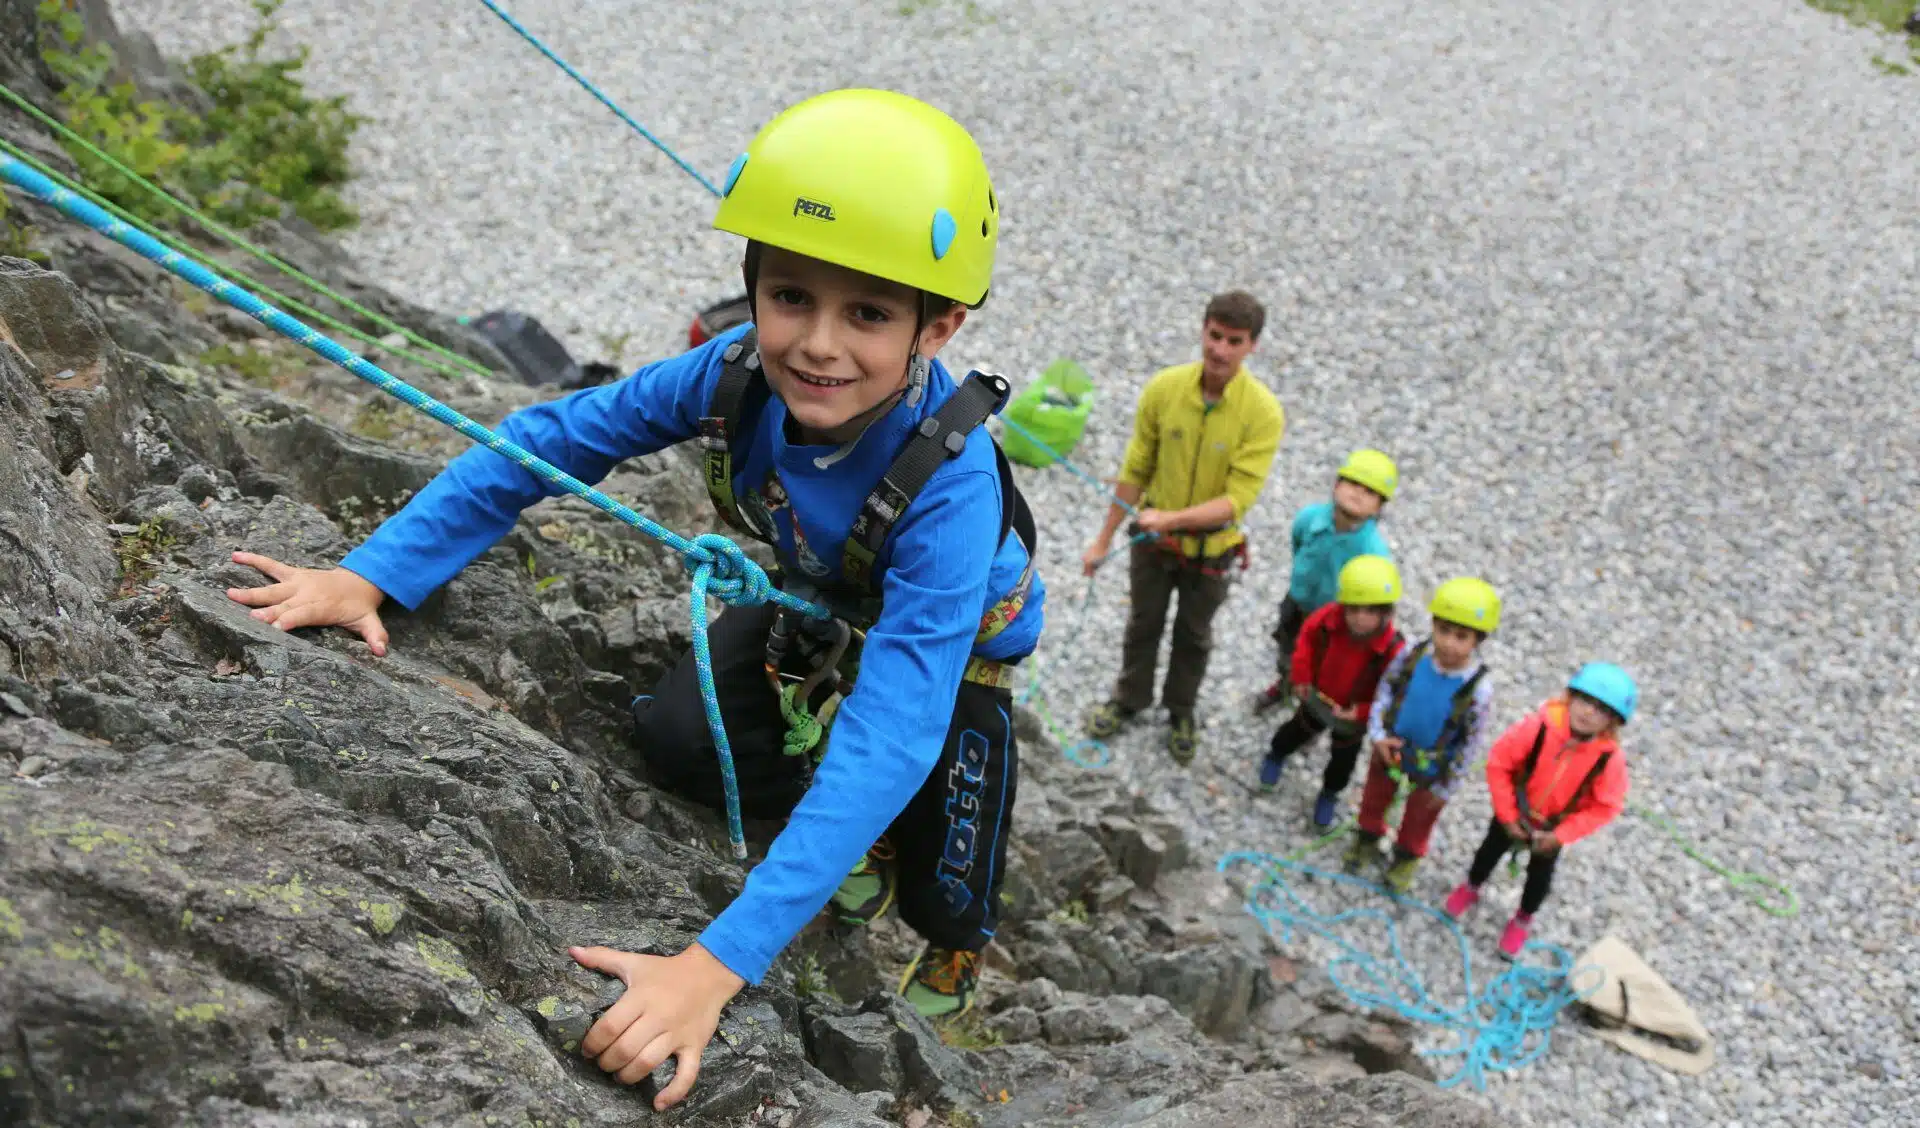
(742, 388)
(1524, 777)
(1501, 1026)
(719, 567)
(1431, 764)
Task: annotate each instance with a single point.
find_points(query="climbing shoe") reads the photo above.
(1400, 873)
(1363, 849)
(1279, 693)
(1108, 719)
(1463, 898)
(1183, 740)
(1270, 774)
(941, 982)
(868, 891)
(1514, 936)
(1325, 809)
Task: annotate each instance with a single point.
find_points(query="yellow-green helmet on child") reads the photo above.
(1368, 581)
(1468, 601)
(1374, 470)
(873, 181)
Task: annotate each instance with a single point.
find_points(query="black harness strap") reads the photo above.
(1579, 793)
(741, 382)
(939, 437)
(742, 388)
(1455, 727)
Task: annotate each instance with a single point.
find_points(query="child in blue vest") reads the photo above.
(1432, 718)
(833, 433)
(1326, 535)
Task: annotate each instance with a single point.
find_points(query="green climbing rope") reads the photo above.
(1761, 890)
(460, 363)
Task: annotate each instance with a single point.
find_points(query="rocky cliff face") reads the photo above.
(255, 877)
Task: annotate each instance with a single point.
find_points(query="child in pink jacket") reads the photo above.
(1555, 777)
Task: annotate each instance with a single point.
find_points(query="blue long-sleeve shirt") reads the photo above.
(1320, 551)
(944, 567)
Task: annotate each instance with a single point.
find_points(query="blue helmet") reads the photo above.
(1609, 685)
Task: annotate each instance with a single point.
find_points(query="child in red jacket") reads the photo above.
(1555, 777)
(1343, 649)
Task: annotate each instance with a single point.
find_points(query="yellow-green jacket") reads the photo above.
(1182, 453)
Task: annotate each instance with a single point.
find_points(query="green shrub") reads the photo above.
(264, 148)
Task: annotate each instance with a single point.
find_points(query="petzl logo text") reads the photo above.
(814, 208)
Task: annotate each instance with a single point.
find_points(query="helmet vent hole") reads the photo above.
(991, 205)
(983, 229)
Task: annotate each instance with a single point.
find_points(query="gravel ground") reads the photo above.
(1629, 289)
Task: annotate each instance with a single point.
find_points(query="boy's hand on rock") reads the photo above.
(312, 597)
(670, 1009)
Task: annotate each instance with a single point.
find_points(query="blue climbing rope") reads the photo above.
(604, 100)
(1502, 1026)
(719, 567)
(1088, 753)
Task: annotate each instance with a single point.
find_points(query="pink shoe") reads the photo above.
(1461, 899)
(1514, 936)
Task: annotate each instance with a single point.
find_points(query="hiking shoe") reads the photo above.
(1183, 740)
(1326, 809)
(941, 981)
(1400, 873)
(1108, 719)
(1363, 849)
(1463, 897)
(867, 892)
(1279, 693)
(1514, 937)
(1270, 774)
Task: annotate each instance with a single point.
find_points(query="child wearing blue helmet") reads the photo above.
(1555, 777)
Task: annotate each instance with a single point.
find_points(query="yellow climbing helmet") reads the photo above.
(873, 181)
(1468, 601)
(1374, 470)
(1368, 581)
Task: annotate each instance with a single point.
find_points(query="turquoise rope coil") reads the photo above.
(718, 565)
(1503, 1026)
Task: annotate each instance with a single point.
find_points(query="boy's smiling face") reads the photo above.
(835, 342)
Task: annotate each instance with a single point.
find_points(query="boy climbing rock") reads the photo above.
(1555, 777)
(1326, 535)
(1431, 719)
(832, 432)
(1204, 437)
(1344, 649)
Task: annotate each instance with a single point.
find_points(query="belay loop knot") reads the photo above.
(726, 572)
(804, 730)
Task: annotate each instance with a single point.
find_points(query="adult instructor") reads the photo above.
(1204, 437)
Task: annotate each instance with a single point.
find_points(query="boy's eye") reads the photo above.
(787, 295)
(872, 315)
